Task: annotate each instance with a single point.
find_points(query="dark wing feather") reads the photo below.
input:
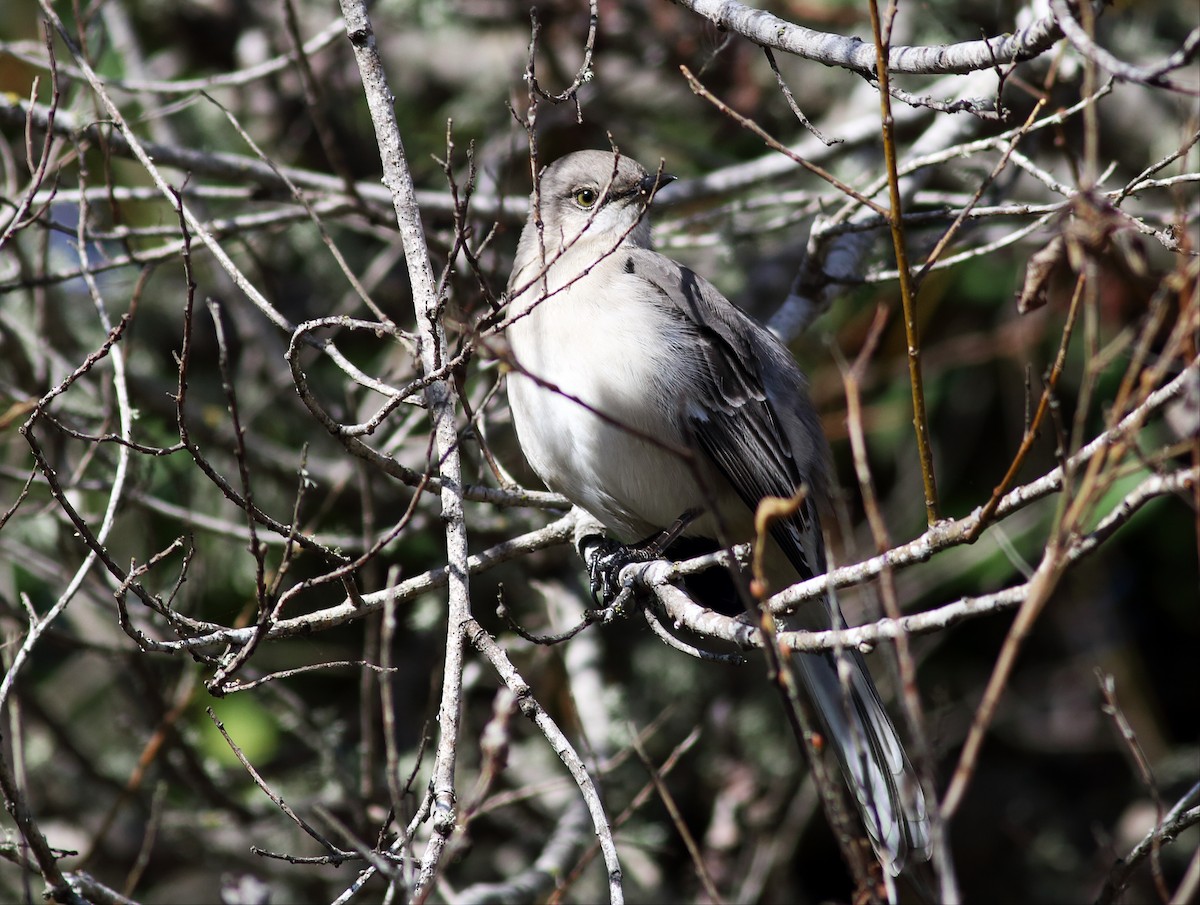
(754, 422)
(735, 423)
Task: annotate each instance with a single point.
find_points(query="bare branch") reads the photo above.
(768, 30)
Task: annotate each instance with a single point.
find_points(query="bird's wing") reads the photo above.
(749, 413)
(753, 421)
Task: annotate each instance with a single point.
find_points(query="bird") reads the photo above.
(654, 404)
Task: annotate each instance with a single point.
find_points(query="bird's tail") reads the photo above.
(869, 752)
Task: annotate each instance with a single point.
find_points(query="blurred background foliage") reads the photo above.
(113, 747)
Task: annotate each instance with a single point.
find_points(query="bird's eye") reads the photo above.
(586, 197)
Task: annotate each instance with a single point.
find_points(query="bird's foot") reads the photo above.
(606, 558)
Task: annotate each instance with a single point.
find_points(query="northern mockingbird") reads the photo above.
(648, 400)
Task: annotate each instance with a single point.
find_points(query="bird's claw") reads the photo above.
(605, 560)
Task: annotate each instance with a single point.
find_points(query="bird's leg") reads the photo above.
(606, 558)
(671, 534)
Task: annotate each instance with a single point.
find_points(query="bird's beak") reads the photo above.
(652, 182)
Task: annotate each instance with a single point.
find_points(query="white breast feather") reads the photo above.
(622, 368)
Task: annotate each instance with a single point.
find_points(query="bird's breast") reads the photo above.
(597, 402)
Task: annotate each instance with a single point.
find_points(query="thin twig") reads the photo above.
(775, 144)
(908, 291)
(1112, 707)
(689, 841)
(914, 714)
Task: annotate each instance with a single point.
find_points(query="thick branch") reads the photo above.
(768, 30)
